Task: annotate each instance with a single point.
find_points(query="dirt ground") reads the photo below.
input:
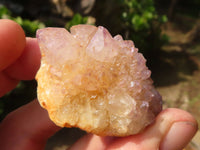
(176, 76)
(183, 75)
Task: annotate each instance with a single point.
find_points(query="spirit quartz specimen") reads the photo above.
(91, 80)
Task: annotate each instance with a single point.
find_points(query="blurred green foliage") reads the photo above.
(4, 12)
(77, 19)
(139, 15)
(142, 24)
(29, 26)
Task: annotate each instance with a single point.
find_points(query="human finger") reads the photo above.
(28, 127)
(24, 68)
(6, 83)
(28, 63)
(12, 42)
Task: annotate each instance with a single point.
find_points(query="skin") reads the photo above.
(29, 127)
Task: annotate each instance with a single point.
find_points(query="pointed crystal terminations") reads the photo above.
(91, 80)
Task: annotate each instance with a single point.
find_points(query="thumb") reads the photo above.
(172, 130)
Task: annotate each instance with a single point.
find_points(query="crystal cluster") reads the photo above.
(91, 80)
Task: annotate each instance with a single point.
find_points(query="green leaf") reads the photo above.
(77, 19)
(148, 15)
(164, 19)
(18, 20)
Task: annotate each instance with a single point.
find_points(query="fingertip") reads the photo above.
(12, 42)
(166, 119)
(173, 129)
(182, 127)
(28, 64)
(178, 136)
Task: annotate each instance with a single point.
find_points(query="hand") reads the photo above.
(29, 127)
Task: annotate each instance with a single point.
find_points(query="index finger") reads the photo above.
(12, 42)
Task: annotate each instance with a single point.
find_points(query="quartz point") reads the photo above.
(91, 80)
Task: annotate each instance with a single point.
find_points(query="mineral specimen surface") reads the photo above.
(91, 80)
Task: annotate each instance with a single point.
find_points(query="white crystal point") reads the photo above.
(102, 46)
(83, 33)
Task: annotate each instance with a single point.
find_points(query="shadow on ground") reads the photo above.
(171, 67)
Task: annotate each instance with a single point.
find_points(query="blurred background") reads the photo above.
(167, 32)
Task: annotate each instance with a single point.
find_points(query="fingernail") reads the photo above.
(178, 136)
